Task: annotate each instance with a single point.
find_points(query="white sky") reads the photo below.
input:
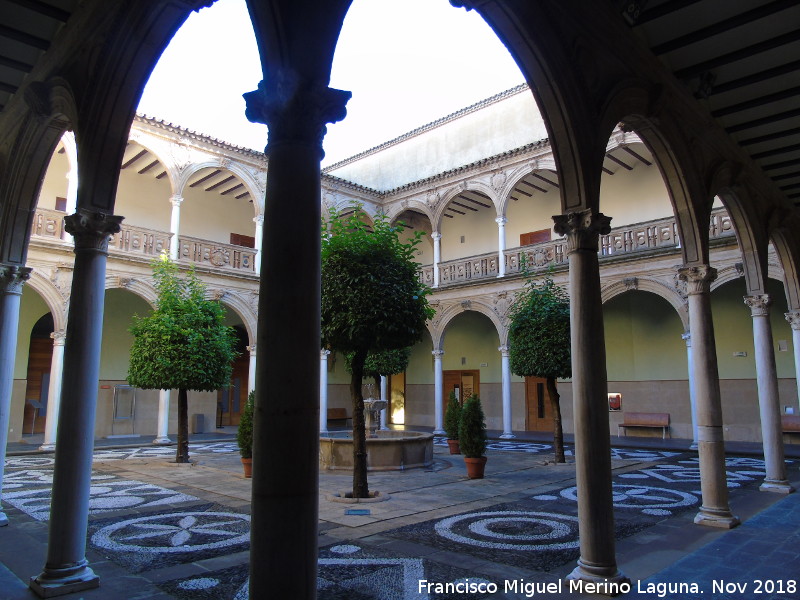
(407, 62)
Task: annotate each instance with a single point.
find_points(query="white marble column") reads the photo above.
(687, 337)
(259, 221)
(385, 398)
(506, 377)
(72, 176)
(251, 371)
(175, 226)
(437, 256)
(12, 278)
(710, 443)
(162, 424)
(323, 390)
(768, 397)
(793, 317)
(598, 562)
(438, 392)
(54, 391)
(67, 569)
(501, 245)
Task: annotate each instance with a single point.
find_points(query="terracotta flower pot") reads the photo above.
(247, 464)
(454, 446)
(475, 467)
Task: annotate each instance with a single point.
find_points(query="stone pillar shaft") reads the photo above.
(590, 398)
(323, 390)
(12, 278)
(501, 246)
(162, 427)
(768, 397)
(251, 370)
(66, 567)
(710, 443)
(438, 392)
(385, 398)
(437, 256)
(175, 226)
(506, 393)
(259, 221)
(54, 391)
(687, 337)
(793, 317)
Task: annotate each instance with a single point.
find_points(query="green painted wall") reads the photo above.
(115, 354)
(473, 336)
(32, 307)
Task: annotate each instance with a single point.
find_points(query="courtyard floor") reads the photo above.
(160, 530)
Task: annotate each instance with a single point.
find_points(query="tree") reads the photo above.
(183, 344)
(372, 300)
(539, 340)
(382, 363)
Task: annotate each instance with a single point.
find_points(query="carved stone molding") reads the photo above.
(58, 337)
(92, 230)
(698, 278)
(323, 354)
(759, 304)
(12, 278)
(504, 350)
(582, 229)
(793, 317)
(631, 283)
(438, 354)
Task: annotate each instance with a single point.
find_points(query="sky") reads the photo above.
(407, 63)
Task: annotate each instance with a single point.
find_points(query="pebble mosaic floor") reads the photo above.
(145, 527)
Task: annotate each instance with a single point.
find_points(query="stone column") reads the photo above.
(710, 444)
(437, 254)
(323, 390)
(598, 563)
(793, 318)
(768, 397)
(385, 397)
(12, 278)
(54, 391)
(66, 569)
(175, 226)
(259, 221)
(506, 371)
(438, 392)
(284, 519)
(251, 371)
(501, 245)
(687, 337)
(162, 433)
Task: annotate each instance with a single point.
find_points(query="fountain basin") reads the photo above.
(390, 451)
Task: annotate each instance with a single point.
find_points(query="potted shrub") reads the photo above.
(452, 421)
(472, 437)
(244, 435)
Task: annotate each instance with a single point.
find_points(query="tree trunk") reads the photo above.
(558, 432)
(360, 487)
(182, 453)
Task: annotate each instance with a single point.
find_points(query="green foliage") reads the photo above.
(372, 299)
(183, 343)
(472, 428)
(384, 362)
(244, 435)
(452, 417)
(539, 336)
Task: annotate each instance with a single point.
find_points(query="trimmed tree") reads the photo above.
(183, 344)
(372, 301)
(539, 341)
(382, 363)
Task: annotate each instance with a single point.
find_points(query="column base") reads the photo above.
(778, 486)
(59, 582)
(438, 432)
(595, 579)
(163, 441)
(693, 446)
(711, 517)
(3, 519)
(47, 447)
(507, 436)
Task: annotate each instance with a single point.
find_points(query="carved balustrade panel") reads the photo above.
(139, 240)
(216, 254)
(48, 223)
(721, 224)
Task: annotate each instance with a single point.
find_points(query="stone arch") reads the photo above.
(244, 176)
(138, 287)
(53, 298)
(783, 244)
(544, 164)
(468, 186)
(394, 211)
(240, 306)
(450, 312)
(654, 286)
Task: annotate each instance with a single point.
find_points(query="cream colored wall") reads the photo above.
(479, 230)
(424, 250)
(634, 196)
(55, 182)
(531, 214)
(32, 308)
(209, 216)
(472, 336)
(144, 200)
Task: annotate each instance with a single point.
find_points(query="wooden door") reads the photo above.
(39, 358)
(466, 382)
(539, 415)
(232, 398)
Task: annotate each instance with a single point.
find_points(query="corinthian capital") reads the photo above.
(582, 228)
(91, 230)
(12, 278)
(793, 317)
(295, 111)
(759, 304)
(698, 278)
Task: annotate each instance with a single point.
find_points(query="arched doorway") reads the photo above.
(40, 356)
(231, 398)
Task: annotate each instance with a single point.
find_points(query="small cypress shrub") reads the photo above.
(452, 417)
(472, 429)
(244, 435)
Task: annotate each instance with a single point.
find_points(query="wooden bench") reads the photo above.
(646, 420)
(338, 415)
(790, 424)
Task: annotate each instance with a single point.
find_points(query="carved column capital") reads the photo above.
(501, 221)
(582, 229)
(92, 230)
(323, 354)
(437, 354)
(698, 278)
(436, 235)
(12, 278)
(58, 337)
(258, 219)
(295, 111)
(793, 317)
(686, 336)
(759, 304)
(504, 351)
(252, 349)
(176, 200)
